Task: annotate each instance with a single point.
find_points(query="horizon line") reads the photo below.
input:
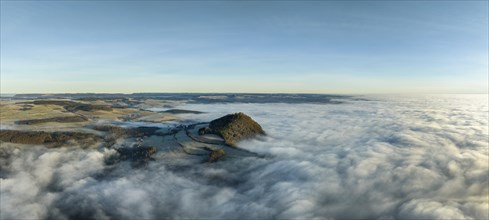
(318, 93)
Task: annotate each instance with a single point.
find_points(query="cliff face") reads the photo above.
(235, 127)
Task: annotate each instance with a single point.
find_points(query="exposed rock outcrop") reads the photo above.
(233, 128)
(136, 153)
(216, 155)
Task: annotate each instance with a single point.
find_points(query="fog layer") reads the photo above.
(391, 157)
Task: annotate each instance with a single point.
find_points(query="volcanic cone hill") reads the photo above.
(234, 127)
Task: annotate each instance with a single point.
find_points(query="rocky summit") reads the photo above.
(233, 128)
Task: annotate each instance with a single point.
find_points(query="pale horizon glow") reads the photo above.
(244, 47)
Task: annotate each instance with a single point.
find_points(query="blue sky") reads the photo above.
(225, 46)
